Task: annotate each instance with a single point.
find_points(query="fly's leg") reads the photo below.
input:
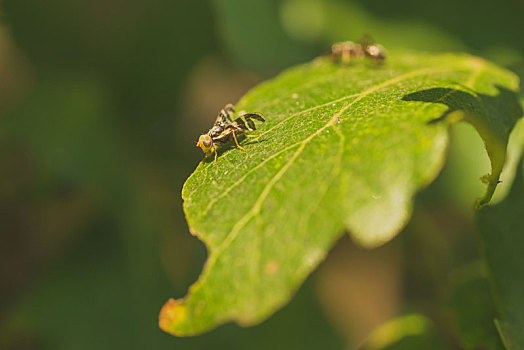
(236, 141)
(215, 150)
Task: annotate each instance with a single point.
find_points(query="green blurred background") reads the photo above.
(101, 103)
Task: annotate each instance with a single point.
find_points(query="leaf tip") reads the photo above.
(172, 313)
(492, 182)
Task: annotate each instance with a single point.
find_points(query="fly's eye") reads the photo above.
(373, 50)
(206, 140)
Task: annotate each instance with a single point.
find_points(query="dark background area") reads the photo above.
(101, 103)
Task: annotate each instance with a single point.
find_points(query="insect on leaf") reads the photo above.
(343, 148)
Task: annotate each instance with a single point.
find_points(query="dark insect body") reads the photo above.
(226, 129)
(346, 51)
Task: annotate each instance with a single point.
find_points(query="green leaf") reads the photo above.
(473, 324)
(502, 233)
(396, 331)
(417, 342)
(343, 148)
(405, 333)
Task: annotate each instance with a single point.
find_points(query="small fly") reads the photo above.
(344, 52)
(225, 129)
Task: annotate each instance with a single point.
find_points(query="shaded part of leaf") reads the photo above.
(507, 334)
(479, 110)
(473, 311)
(502, 232)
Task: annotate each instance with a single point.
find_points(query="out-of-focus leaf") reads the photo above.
(344, 147)
(405, 333)
(473, 311)
(322, 19)
(417, 342)
(395, 330)
(502, 231)
(253, 36)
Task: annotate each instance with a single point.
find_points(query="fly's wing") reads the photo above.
(366, 40)
(249, 119)
(240, 124)
(254, 116)
(224, 117)
(222, 120)
(229, 108)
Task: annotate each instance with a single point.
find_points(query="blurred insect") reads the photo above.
(344, 52)
(372, 50)
(225, 129)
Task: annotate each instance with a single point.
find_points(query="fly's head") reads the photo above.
(206, 143)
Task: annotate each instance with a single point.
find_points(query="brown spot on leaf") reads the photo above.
(272, 267)
(171, 312)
